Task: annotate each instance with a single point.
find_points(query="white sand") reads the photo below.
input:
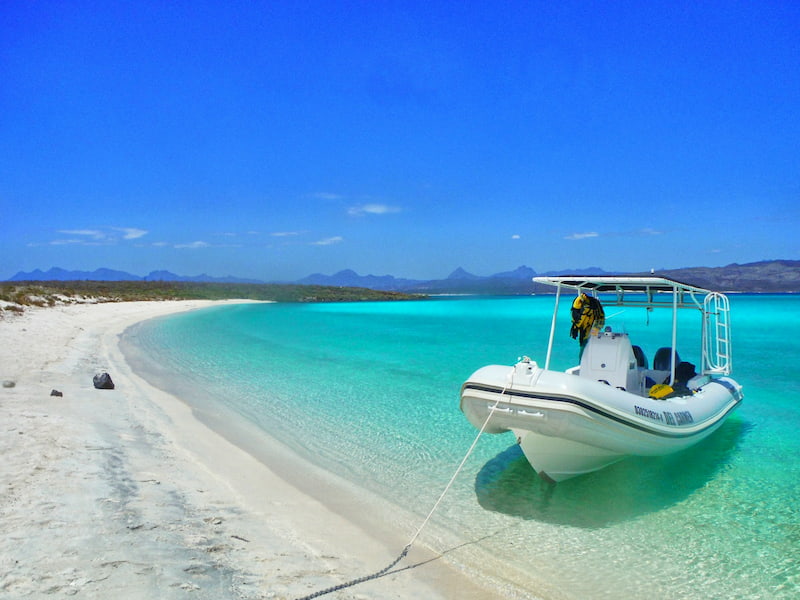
(125, 494)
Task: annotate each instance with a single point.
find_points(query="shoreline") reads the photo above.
(143, 495)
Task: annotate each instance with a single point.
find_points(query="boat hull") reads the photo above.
(557, 459)
(568, 425)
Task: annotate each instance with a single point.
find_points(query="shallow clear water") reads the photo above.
(370, 391)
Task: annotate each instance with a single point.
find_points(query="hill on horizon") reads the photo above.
(776, 276)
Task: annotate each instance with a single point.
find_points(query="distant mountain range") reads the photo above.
(765, 276)
(459, 281)
(56, 274)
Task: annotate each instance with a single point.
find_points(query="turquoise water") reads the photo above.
(370, 391)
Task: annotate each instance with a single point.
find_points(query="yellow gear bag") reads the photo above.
(660, 390)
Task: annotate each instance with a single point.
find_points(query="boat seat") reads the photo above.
(662, 361)
(608, 357)
(641, 359)
(684, 372)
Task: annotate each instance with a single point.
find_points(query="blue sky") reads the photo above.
(278, 139)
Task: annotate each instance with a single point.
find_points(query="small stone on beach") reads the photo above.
(56, 393)
(9, 384)
(102, 381)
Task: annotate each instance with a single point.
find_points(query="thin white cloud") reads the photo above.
(131, 233)
(92, 237)
(326, 196)
(645, 231)
(196, 245)
(73, 241)
(328, 241)
(516, 236)
(582, 236)
(84, 237)
(193, 245)
(91, 233)
(285, 233)
(372, 209)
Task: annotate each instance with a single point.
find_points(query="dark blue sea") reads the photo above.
(370, 392)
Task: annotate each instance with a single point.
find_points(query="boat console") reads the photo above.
(609, 357)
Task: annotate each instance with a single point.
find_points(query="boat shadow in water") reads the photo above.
(631, 488)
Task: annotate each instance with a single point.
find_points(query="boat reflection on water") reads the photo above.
(629, 489)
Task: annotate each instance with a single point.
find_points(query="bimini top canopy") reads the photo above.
(614, 283)
(641, 290)
(659, 292)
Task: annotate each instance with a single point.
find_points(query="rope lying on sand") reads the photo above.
(404, 553)
(375, 575)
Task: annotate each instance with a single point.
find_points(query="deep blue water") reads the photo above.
(370, 391)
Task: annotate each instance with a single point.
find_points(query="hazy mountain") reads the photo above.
(349, 278)
(524, 273)
(57, 274)
(762, 276)
(461, 275)
(168, 276)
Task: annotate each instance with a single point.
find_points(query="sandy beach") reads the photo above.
(125, 493)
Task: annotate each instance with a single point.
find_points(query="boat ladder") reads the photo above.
(716, 335)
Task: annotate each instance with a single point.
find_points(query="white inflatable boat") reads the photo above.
(613, 404)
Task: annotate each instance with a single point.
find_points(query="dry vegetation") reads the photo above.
(17, 296)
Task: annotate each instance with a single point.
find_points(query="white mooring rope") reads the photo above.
(404, 553)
